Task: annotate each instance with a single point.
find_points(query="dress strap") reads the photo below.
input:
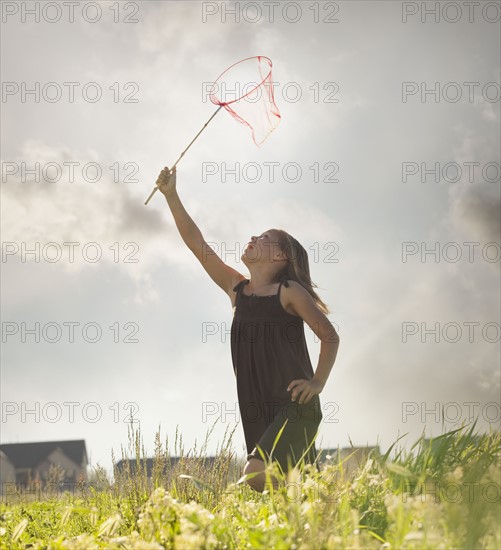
(283, 282)
(238, 286)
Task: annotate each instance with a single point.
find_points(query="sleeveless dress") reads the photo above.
(269, 350)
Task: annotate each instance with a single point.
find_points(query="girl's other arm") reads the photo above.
(300, 301)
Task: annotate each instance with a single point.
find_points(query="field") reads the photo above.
(443, 493)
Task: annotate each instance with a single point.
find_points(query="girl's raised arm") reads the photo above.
(223, 275)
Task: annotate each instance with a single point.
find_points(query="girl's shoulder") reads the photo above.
(293, 288)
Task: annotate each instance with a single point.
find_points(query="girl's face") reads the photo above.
(263, 247)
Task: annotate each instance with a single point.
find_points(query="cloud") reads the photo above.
(169, 54)
(105, 212)
(58, 208)
(477, 212)
(475, 201)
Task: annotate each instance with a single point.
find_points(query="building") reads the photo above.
(171, 463)
(43, 462)
(351, 457)
(175, 466)
(7, 473)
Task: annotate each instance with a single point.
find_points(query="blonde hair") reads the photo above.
(298, 267)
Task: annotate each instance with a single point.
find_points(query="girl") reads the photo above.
(276, 385)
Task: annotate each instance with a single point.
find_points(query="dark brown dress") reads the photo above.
(269, 350)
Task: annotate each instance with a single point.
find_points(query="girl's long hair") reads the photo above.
(298, 267)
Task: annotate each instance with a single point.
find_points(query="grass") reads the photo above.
(442, 493)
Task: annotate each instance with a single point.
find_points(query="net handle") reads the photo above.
(155, 189)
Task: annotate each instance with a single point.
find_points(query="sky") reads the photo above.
(386, 168)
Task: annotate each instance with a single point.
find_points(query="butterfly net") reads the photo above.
(245, 90)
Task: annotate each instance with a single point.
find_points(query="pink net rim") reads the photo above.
(258, 57)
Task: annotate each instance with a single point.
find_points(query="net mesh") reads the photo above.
(245, 90)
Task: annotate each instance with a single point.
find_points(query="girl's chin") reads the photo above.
(252, 258)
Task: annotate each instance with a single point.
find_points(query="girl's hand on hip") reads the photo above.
(305, 389)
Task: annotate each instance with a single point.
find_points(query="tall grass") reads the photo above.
(190, 477)
(442, 493)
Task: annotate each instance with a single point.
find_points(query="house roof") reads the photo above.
(3, 456)
(29, 455)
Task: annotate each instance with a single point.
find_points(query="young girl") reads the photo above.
(276, 385)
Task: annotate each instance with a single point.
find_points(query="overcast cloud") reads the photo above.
(366, 233)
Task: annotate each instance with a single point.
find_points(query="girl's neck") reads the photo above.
(261, 280)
